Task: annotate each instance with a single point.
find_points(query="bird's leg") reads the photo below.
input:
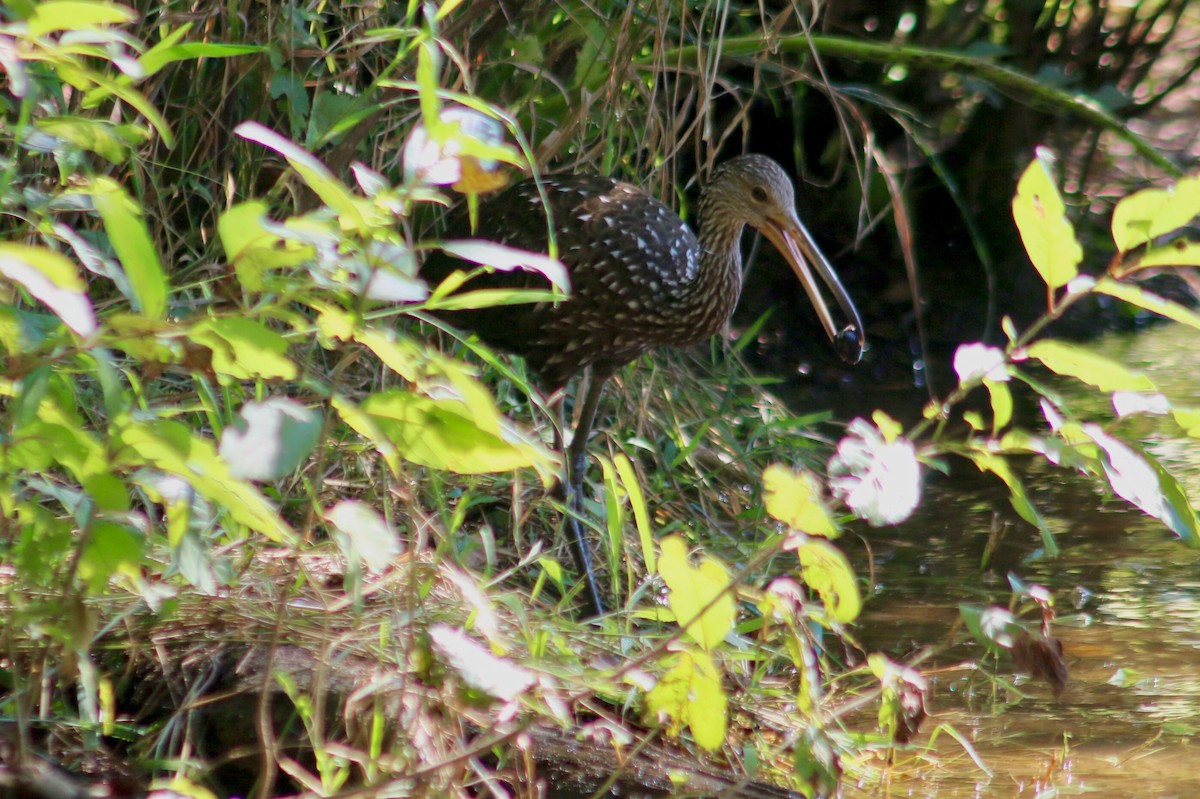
(576, 454)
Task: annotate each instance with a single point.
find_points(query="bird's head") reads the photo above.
(754, 190)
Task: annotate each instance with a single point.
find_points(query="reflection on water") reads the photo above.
(1128, 597)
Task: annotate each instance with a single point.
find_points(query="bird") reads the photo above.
(640, 278)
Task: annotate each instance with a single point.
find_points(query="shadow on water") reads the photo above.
(1127, 594)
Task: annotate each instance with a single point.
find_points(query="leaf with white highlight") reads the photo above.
(498, 256)
(478, 667)
(54, 280)
(269, 439)
(369, 538)
(975, 362)
(1138, 478)
(879, 480)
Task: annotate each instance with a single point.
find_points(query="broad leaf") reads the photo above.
(173, 448)
(135, 249)
(244, 349)
(1138, 477)
(443, 434)
(694, 588)
(825, 570)
(111, 549)
(353, 212)
(111, 142)
(1089, 367)
(52, 279)
(498, 256)
(1041, 218)
(53, 16)
(269, 439)
(253, 249)
(1148, 214)
(1136, 295)
(691, 693)
(367, 536)
(794, 498)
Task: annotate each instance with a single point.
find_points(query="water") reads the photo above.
(1127, 594)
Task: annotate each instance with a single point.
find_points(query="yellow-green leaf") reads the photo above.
(244, 349)
(173, 448)
(1148, 214)
(1180, 252)
(353, 212)
(443, 434)
(1041, 218)
(1089, 367)
(825, 569)
(1002, 404)
(997, 465)
(691, 693)
(695, 588)
(1136, 295)
(1188, 419)
(74, 15)
(135, 249)
(252, 249)
(641, 516)
(54, 280)
(794, 498)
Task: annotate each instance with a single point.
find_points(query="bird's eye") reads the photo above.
(759, 194)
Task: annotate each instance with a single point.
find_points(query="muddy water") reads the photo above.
(1127, 594)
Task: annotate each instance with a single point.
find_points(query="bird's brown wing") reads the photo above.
(626, 254)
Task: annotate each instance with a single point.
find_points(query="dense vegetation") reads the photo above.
(264, 525)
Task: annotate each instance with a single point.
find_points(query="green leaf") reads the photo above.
(691, 693)
(1136, 295)
(1002, 404)
(22, 331)
(111, 549)
(1180, 252)
(97, 87)
(442, 434)
(997, 465)
(171, 447)
(825, 569)
(994, 627)
(53, 16)
(135, 249)
(354, 213)
(252, 249)
(270, 439)
(434, 374)
(244, 349)
(794, 498)
(168, 52)
(1041, 218)
(52, 279)
(111, 142)
(1188, 419)
(1084, 365)
(1139, 478)
(641, 516)
(366, 535)
(1148, 214)
(693, 589)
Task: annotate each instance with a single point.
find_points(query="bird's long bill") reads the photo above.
(796, 245)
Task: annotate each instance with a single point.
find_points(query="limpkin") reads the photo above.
(639, 279)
